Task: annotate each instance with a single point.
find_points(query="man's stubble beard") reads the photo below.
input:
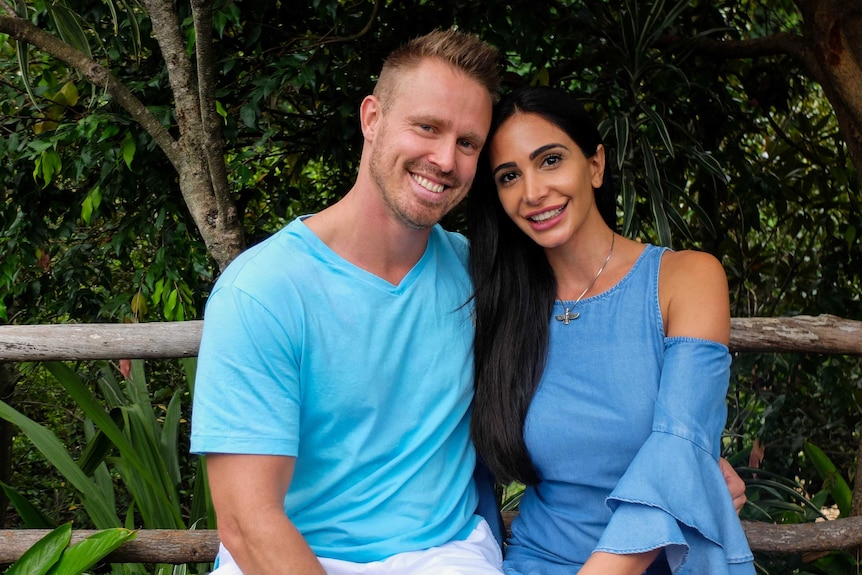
(402, 204)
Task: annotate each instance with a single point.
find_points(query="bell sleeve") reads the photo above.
(673, 495)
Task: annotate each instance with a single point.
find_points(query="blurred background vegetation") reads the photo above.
(723, 132)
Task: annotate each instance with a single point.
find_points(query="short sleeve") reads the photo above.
(247, 386)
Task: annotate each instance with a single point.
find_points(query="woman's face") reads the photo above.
(544, 181)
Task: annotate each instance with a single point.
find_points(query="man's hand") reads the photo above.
(735, 484)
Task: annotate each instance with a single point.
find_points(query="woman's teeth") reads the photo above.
(547, 215)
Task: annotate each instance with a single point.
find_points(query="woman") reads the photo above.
(601, 363)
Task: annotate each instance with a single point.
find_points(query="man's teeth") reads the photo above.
(428, 184)
(547, 215)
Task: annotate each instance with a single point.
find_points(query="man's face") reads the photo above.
(426, 144)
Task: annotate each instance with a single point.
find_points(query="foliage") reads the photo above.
(53, 555)
(131, 458)
(689, 138)
(777, 499)
(741, 157)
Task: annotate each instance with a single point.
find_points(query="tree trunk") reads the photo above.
(833, 29)
(205, 190)
(829, 50)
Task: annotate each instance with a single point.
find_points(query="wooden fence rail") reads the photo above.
(824, 334)
(74, 341)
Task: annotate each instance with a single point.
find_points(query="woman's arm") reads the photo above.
(601, 563)
(695, 304)
(693, 296)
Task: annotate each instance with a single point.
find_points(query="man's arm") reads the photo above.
(248, 495)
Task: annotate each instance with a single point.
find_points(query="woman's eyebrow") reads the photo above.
(503, 167)
(545, 148)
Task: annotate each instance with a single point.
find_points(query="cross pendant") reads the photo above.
(567, 317)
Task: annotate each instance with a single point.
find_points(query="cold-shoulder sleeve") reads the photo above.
(673, 494)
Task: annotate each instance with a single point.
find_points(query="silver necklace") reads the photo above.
(568, 315)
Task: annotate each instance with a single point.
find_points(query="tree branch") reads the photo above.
(22, 30)
(9, 10)
(356, 36)
(781, 43)
(166, 28)
(213, 141)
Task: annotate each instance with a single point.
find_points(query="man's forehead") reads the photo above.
(434, 87)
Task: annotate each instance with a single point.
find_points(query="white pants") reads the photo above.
(479, 554)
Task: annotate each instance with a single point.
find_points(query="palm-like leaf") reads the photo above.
(98, 507)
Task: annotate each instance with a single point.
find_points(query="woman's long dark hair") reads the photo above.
(515, 291)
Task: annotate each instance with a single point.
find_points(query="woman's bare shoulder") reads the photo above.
(694, 295)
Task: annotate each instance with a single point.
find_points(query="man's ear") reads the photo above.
(370, 112)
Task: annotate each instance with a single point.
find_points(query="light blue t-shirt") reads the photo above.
(366, 383)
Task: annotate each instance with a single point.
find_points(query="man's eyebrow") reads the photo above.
(435, 121)
(426, 119)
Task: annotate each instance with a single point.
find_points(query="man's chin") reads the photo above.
(421, 221)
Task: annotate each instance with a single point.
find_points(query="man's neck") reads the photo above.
(369, 237)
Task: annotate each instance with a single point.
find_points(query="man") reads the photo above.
(335, 369)
(335, 373)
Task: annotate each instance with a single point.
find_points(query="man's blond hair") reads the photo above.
(464, 52)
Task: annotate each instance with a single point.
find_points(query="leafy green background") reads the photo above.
(741, 157)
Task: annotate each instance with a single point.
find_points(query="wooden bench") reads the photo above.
(71, 342)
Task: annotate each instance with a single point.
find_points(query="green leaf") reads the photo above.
(31, 515)
(220, 110)
(190, 365)
(832, 480)
(248, 114)
(98, 508)
(133, 23)
(202, 509)
(22, 50)
(627, 191)
(68, 94)
(621, 126)
(91, 204)
(128, 147)
(141, 464)
(48, 164)
(170, 437)
(85, 553)
(656, 197)
(170, 304)
(69, 26)
(87, 210)
(98, 447)
(658, 122)
(709, 162)
(83, 397)
(39, 558)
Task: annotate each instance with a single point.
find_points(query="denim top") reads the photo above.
(624, 432)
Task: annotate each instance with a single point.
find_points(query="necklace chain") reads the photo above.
(567, 316)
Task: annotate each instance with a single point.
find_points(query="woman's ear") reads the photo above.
(597, 167)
